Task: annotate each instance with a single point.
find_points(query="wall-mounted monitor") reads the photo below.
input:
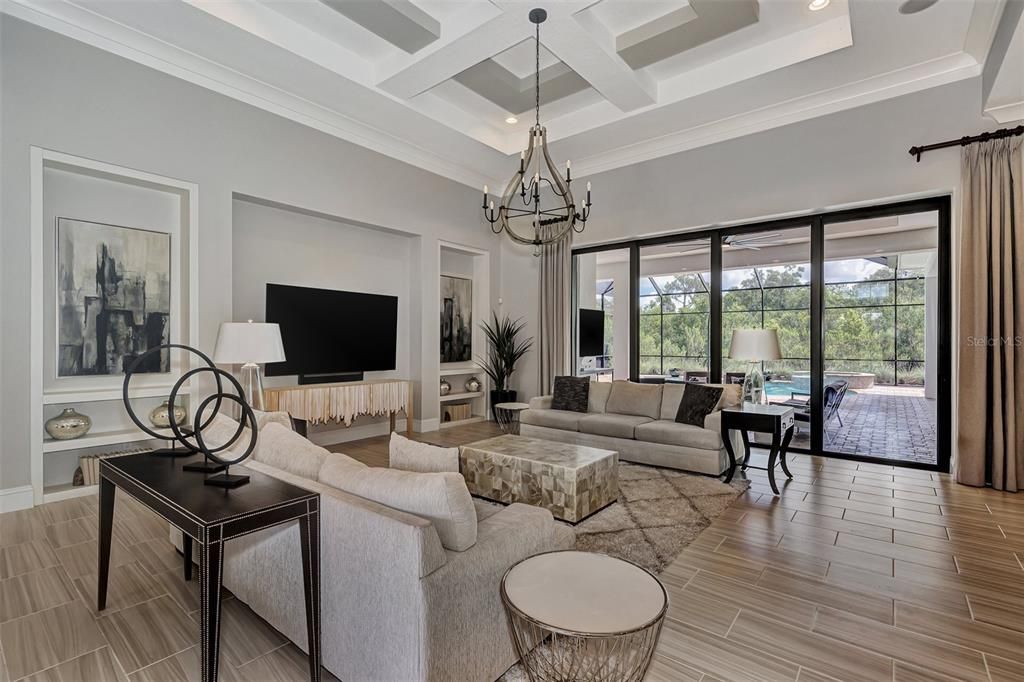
(332, 332)
(591, 332)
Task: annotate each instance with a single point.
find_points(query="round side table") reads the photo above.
(507, 415)
(583, 616)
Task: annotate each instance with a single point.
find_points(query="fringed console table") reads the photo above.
(343, 402)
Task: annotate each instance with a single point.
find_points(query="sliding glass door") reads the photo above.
(766, 284)
(881, 336)
(859, 299)
(675, 311)
(600, 327)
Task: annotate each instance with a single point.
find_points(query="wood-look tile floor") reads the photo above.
(855, 572)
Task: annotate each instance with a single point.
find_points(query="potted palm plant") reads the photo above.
(504, 350)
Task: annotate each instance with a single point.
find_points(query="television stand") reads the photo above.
(345, 377)
(343, 402)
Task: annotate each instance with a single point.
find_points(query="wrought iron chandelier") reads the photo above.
(532, 224)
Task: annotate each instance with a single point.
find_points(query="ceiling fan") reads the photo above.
(753, 243)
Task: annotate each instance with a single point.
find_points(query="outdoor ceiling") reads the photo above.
(432, 82)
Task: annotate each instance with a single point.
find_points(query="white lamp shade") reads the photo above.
(755, 345)
(243, 342)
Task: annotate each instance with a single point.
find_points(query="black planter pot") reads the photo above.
(501, 397)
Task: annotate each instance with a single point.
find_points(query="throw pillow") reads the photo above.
(639, 400)
(571, 393)
(409, 455)
(282, 448)
(441, 498)
(699, 400)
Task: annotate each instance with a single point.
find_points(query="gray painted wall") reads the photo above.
(63, 95)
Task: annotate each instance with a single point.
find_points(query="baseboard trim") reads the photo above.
(15, 499)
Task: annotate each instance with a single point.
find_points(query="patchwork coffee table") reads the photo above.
(572, 481)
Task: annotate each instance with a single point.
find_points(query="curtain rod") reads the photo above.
(966, 140)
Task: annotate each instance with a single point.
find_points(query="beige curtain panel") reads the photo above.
(991, 389)
(553, 342)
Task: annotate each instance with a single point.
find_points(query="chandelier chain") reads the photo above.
(536, 77)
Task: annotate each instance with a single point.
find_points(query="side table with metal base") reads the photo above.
(583, 616)
(507, 416)
(777, 420)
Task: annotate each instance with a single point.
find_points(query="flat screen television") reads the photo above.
(332, 332)
(591, 332)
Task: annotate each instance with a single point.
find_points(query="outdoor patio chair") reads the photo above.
(833, 399)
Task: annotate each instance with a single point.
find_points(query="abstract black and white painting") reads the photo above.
(113, 297)
(456, 319)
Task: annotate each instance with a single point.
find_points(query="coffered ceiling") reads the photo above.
(447, 85)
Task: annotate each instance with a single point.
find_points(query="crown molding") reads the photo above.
(92, 29)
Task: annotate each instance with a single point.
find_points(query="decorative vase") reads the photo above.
(505, 396)
(472, 385)
(158, 417)
(68, 425)
(446, 388)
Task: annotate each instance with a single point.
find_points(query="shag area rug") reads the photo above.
(658, 513)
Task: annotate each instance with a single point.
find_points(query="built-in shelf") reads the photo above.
(101, 438)
(460, 422)
(461, 369)
(65, 397)
(461, 396)
(66, 491)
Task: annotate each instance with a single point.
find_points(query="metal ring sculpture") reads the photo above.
(248, 417)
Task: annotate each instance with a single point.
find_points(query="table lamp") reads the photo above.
(754, 346)
(249, 344)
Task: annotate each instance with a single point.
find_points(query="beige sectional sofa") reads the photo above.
(398, 602)
(638, 421)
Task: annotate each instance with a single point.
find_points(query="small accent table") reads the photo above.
(507, 416)
(210, 516)
(583, 616)
(777, 420)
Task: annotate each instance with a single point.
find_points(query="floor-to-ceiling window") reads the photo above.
(600, 330)
(675, 310)
(860, 302)
(880, 336)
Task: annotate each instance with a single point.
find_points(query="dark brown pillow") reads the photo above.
(698, 401)
(571, 393)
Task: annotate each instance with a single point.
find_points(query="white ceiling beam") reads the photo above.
(590, 51)
(442, 60)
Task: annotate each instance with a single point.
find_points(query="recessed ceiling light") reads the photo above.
(915, 6)
(815, 5)
(511, 120)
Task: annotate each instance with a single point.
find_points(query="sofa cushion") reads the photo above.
(337, 465)
(441, 498)
(613, 425)
(282, 448)
(640, 400)
(553, 419)
(570, 393)
(671, 394)
(669, 432)
(732, 395)
(409, 455)
(599, 391)
(699, 400)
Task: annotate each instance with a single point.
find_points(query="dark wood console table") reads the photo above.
(777, 420)
(211, 516)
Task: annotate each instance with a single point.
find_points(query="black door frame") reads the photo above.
(818, 223)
